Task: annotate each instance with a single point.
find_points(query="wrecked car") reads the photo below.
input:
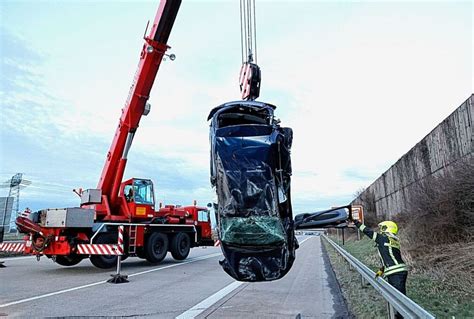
(251, 172)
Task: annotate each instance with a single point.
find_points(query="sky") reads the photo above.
(359, 82)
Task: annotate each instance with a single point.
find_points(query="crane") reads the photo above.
(68, 235)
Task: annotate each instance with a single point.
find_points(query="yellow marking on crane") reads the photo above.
(140, 211)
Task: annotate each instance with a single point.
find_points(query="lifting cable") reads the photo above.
(248, 31)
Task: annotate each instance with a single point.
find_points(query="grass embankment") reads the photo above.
(440, 292)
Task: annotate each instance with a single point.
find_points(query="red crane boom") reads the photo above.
(136, 105)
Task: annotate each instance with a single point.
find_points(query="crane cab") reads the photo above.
(139, 197)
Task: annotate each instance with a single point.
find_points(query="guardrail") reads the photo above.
(395, 299)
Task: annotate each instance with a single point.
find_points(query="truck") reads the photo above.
(121, 217)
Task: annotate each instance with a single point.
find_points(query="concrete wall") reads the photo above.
(448, 143)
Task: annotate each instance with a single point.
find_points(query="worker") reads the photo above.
(129, 196)
(393, 268)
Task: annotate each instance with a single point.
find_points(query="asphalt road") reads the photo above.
(196, 287)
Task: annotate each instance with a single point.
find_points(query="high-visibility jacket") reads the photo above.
(388, 246)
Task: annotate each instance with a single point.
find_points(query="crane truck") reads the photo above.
(69, 235)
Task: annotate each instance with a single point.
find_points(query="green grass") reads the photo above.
(363, 301)
(442, 295)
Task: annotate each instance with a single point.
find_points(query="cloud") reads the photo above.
(171, 146)
(359, 83)
(361, 92)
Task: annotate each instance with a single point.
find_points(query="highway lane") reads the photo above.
(309, 290)
(170, 289)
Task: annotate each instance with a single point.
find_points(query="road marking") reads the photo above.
(104, 281)
(17, 258)
(208, 302)
(132, 275)
(174, 265)
(304, 240)
(50, 294)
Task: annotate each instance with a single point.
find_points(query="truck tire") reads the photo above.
(104, 261)
(69, 260)
(180, 246)
(156, 247)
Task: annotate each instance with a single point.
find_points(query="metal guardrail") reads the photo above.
(396, 300)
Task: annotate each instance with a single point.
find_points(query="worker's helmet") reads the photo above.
(388, 227)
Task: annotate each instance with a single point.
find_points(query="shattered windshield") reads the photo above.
(253, 230)
(248, 213)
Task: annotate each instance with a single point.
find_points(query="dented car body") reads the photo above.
(251, 172)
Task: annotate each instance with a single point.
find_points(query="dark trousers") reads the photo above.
(399, 281)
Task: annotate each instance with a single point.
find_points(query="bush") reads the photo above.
(438, 225)
(441, 207)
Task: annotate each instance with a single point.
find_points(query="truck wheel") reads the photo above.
(104, 261)
(156, 247)
(69, 260)
(180, 246)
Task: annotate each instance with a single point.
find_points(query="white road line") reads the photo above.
(174, 265)
(50, 294)
(16, 258)
(304, 240)
(208, 302)
(104, 281)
